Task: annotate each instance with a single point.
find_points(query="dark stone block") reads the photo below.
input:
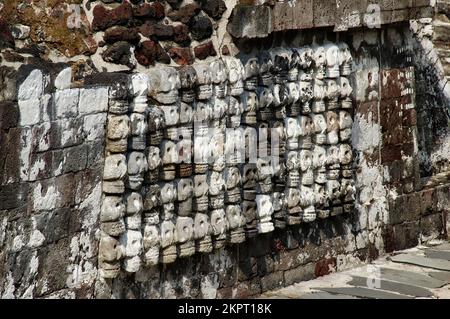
(75, 159)
(149, 52)
(9, 115)
(6, 37)
(299, 274)
(54, 225)
(118, 53)
(13, 196)
(213, 8)
(272, 281)
(201, 27)
(250, 22)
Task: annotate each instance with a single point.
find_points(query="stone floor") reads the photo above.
(421, 272)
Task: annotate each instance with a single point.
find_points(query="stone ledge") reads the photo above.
(259, 21)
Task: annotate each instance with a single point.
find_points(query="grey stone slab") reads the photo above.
(412, 278)
(364, 293)
(326, 295)
(438, 254)
(441, 275)
(393, 286)
(438, 264)
(445, 246)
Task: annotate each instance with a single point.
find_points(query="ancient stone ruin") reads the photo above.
(216, 149)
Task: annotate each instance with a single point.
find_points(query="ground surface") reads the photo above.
(421, 272)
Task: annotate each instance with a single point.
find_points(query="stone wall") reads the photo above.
(74, 97)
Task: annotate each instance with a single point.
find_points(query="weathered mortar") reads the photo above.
(52, 141)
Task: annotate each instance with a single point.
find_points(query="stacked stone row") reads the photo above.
(113, 228)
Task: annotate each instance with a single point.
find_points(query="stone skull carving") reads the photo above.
(346, 154)
(216, 183)
(112, 209)
(345, 120)
(292, 197)
(281, 64)
(168, 234)
(202, 227)
(219, 77)
(185, 189)
(219, 223)
(249, 101)
(320, 61)
(333, 63)
(345, 59)
(139, 89)
(319, 157)
(164, 83)
(346, 93)
(186, 113)
(234, 217)
(168, 193)
(320, 92)
(169, 152)
(184, 229)
(188, 81)
(333, 94)
(236, 75)
(251, 73)
(204, 81)
(306, 57)
(292, 132)
(265, 68)
(232, 177)
(115, 167)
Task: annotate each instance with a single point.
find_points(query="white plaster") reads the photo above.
(66, 103)
(209, 285)
(64, 79)
(366, 134)
(47, 201)
(93, 100)
(36, 168)
(92, 204)
(94, 126)
(9, 288)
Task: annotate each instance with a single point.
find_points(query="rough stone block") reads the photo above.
(75, 158)
(324, 13)
(9, 115)
(94, 126)
(303, 15)
(250, 22)
(428, 202)
(53, 225)
(299, 274)
(13, 195)
(272, 281)
(66, 103)
(93, 100)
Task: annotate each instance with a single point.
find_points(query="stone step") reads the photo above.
(364, 293)
(412, 278)
(393, 286)
(421, 261)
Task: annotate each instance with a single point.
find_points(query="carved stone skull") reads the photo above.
(265, 68)
(332, 52)
(345, 59)
(219, 77)
(188, 79)
(164, 83)
(204, 81)
(236, 75)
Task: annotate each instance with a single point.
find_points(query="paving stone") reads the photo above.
(441, 275)
(412, 278)
(422, 261)
(437, 254)
(326, 295)
(393, 286)
(364, 293)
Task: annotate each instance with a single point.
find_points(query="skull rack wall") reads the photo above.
(215, 153)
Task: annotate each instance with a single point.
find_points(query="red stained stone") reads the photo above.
(181, 56)
(153, 10)
(149, 52)
(324, 267)
(6, 37)
(391, 153)
(181, 35)
(157, 30)
(205, 50)
(104, 18)
(119, 33)
(225, 50)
